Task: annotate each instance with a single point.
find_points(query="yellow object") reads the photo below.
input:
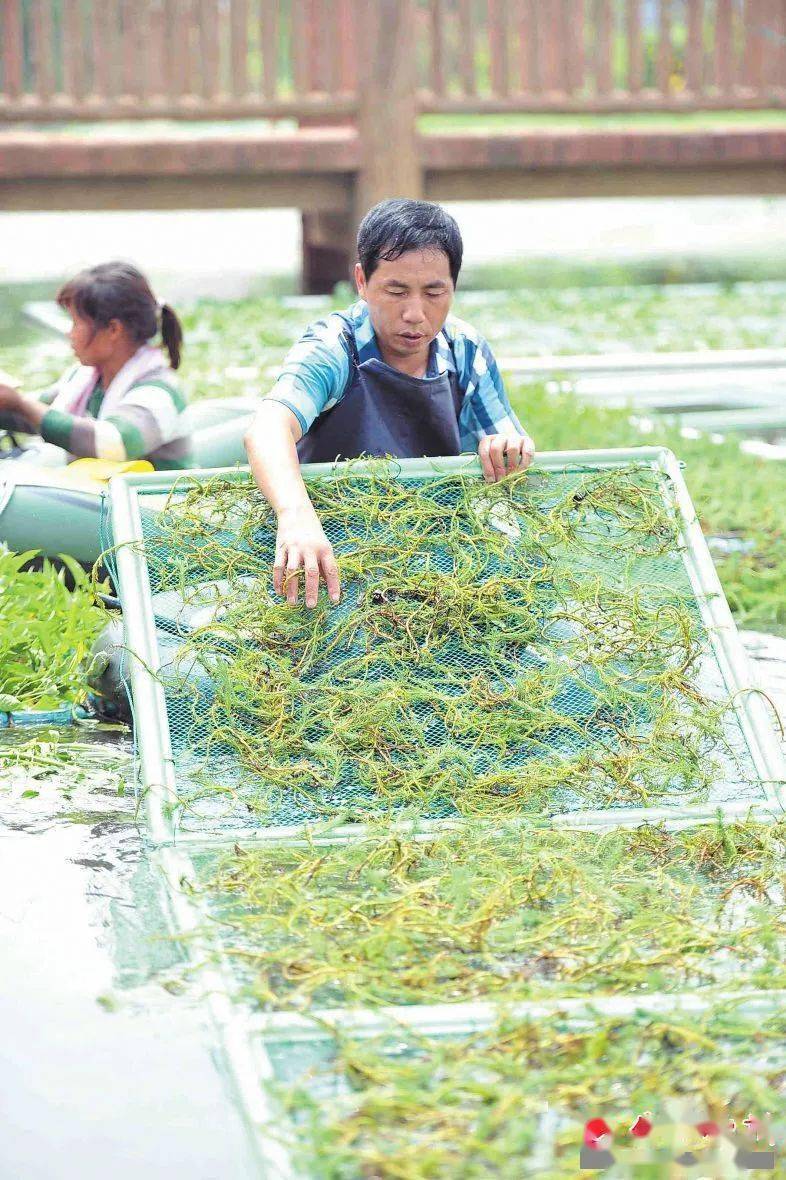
(102, 470)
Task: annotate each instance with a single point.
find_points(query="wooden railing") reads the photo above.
(197, 59)
(598, 55)
(105, 59)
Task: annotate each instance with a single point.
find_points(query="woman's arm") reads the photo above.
(28, 410)
(271, 444)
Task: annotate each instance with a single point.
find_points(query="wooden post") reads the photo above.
(387, 107)
(327, 237)
(387, 131)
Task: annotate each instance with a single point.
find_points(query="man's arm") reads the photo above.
(301, 543)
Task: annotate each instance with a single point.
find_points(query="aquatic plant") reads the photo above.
(521, 647)
(512, 1101)
(46, 632)
(500, 914)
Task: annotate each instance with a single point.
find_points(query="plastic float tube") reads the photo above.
(58, 509)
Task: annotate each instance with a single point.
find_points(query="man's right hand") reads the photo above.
(301, 544)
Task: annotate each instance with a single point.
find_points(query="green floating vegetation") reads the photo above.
(71, 755)
(46, 632)
(737, 496)
(519, 647)
(513, 914)
(513, 1101)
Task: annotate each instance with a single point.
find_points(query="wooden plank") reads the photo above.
(437, 35)
(780, 63)
(752, 55)
(694, 53)
(776, 53)
(12, 47)
(469, 83)
(574, 19)
(103, 46)
(153, 54)
(312, 56)
(530, 66)
(387, 114)
(299, 33)
(347, 38)
(140, 34)
(604, 30)
(270, 34)
(724, 46)
(635, 46)
(665, 51)
(43, 42)
(551, 38)
(208, 49)
(330, 46)
(499, 69)
(238, 47)
(72, 49)
(174, 50)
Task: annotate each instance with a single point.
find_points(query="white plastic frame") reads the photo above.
(152, 732)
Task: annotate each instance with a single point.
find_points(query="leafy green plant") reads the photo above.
(407, 1107)
(736, 495)
(522, 647)
(500, 914)
(46, 631)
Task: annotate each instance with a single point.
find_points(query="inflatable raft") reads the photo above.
(47, 506)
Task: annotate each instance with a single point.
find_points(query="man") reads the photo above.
(395, 374)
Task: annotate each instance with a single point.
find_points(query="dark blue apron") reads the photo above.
(386, 412)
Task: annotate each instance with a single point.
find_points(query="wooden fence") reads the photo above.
(198, 59)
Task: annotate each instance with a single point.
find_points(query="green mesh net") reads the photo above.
(519, 649)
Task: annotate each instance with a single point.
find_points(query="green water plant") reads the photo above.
(46, 632)
(519, 647)
(500, 914)
(513, 1100)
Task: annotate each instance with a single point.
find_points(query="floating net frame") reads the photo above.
(156, 760)
(246, 1036)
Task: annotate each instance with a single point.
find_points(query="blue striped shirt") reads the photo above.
(316, 372)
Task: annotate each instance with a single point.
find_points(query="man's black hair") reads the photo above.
(395, 226)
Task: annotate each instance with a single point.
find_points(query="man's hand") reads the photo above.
(501, 454)
(301, 544)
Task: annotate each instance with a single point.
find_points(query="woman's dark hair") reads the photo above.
(396, 226)
(118, 291)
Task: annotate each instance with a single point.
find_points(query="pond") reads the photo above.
(103, 1070)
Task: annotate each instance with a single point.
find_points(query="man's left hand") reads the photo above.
(502, 454)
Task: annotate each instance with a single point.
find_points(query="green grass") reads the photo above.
(231, 348)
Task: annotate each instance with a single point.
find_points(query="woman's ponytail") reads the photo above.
(171, 334)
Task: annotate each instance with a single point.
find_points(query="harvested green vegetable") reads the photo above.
(515, 914)
(46, 632)
(520, 647)
(404, 1107)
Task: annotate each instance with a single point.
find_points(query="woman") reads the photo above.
(121, 402)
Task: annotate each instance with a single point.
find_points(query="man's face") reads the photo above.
(408, 301)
